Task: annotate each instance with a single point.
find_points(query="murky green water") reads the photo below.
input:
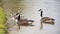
(51, 8)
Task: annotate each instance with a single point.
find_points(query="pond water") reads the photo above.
(51, 8)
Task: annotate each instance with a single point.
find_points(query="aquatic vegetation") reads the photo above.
(2, 21)
(2, 31)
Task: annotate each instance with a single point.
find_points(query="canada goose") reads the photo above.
(46, 20)
(19, 20)
(22, 21)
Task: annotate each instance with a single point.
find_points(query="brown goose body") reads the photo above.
(47, 20)
(25, 22)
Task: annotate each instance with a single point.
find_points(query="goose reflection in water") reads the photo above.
(46, 20)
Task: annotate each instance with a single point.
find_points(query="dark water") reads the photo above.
(51, 8)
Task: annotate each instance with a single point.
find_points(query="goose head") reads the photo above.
(41, 12)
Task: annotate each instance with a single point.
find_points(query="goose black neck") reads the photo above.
(41, 14)
(18, 17)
